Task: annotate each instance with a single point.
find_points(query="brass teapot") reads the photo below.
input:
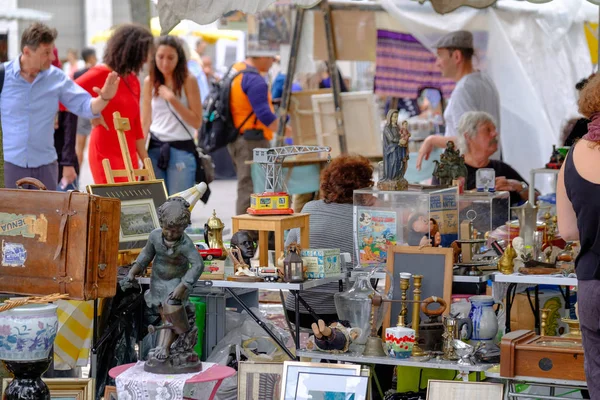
(213, 234)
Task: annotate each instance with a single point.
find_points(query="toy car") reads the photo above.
(269, 274)
(208, 254)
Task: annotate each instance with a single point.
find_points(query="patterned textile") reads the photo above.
(74, 336)
(404, 67)
(137, 384)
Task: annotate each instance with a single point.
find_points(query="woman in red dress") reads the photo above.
(126, 53)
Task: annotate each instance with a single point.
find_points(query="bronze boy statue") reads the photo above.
(176, 266)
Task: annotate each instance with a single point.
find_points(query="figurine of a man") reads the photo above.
(176, 266)
(243, 242)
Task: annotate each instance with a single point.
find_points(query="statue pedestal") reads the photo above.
(400, 184)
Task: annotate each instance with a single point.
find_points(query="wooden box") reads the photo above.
(523, 353)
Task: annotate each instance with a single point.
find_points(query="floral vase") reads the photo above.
(399, 341)
(354, 306)
(27, 335)
(27, 332)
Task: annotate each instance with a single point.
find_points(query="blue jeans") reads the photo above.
(181, 172)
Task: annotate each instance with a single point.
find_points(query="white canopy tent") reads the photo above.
(24, 14)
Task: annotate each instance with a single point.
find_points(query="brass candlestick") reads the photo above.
(545, 312)
(416, 317)
(404, 286)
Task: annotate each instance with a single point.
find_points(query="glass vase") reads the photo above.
(354, 306)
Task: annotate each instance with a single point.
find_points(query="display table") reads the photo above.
(551, 384)
(533, 280)
(272, 223)
(294, 288)
(215, 373)
(406, 362)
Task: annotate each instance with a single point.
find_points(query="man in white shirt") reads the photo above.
(474, 90)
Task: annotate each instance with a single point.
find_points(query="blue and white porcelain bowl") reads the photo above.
(27, 332)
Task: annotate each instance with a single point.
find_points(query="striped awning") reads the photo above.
(24, 14)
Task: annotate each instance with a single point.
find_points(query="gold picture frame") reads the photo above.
(110, 393)
(460, 390)
(291, 369)
(259, 380)
(65, 388)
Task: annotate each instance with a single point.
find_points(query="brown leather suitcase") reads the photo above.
(57, 242)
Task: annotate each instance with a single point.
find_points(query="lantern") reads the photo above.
(293, 266)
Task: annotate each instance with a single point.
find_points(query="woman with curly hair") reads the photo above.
(578, 210)
(126, 53)
(171, 114)
(331, 227)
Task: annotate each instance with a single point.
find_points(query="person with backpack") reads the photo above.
(171, 113)
(254, 119)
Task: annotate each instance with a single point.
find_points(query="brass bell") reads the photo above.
(213, 234)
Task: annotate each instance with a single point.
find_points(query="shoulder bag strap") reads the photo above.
(2, 73)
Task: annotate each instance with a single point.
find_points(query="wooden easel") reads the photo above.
(122, 125)
(126, 257)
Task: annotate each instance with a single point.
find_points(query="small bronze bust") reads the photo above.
(245, 244)
(395, 154)
(176, 266)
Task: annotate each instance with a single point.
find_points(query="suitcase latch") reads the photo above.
(103, 228)
(102, 267)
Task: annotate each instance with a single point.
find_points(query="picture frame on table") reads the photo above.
(460, 390)
(313, 386)
(139, 205)
(65, 388)
(110, 393)
(292, 369)
(259, 380)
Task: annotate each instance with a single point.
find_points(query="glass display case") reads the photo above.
(384, 218)
(486, 210)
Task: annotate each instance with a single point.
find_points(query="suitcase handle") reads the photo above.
(31, 181)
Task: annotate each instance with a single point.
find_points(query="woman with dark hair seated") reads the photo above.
(331, 227)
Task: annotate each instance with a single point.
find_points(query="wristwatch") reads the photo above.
(524, 187)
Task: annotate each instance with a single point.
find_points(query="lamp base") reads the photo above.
(28, 383)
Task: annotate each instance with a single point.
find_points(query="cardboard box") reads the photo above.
(213, 270)
(321, 263)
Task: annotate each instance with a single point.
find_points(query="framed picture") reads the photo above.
(459, 390)
(331, 386)
(65, 388)
(433, 263)
(259, 381)
(291, 370)
(139, 205)
(110, 393)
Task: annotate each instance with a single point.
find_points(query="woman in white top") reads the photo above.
(171, 114)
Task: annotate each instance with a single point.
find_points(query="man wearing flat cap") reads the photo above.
(474, 90)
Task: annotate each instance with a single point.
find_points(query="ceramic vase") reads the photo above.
(399, 341)
(483, 317)
(27, 333)
(354, 306)
(27, 336)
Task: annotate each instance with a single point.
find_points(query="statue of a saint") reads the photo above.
(395, 155)
(176, 266)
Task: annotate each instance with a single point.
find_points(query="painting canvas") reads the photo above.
(458, 390)
(270, 29)
(331, 387)
(362, 124)
(259, 381)
(138, 219)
